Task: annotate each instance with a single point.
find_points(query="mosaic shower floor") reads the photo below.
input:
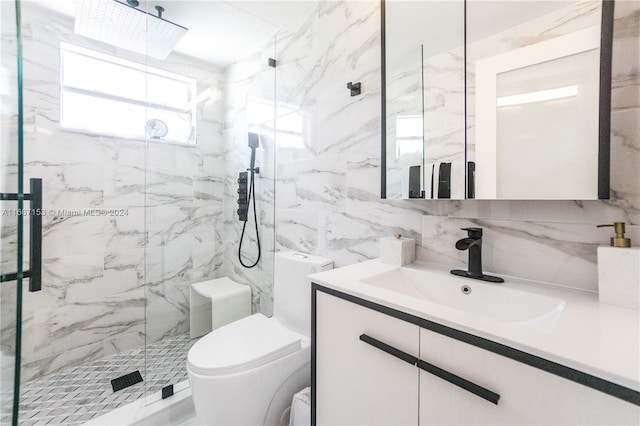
(78, 394)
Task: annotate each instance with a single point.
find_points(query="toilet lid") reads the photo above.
(242, 345)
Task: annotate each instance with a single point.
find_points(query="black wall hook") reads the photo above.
(354, 87)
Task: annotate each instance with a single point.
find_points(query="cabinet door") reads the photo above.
(357, 383)
(527, 395)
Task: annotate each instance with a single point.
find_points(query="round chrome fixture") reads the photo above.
(156, 128)
(465, 289)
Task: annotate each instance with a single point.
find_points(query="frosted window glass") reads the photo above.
(106, 95)
(120, 119)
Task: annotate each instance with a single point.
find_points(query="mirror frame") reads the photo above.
(604, 125)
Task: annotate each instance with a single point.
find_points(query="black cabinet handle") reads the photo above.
(459, 381)
(430, 368)
(389, 349)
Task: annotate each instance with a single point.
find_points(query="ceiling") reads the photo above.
(220, 31)
(439, 25)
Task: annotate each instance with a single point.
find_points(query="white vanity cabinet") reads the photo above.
(356, 383)
(527, 395)
(374, 365)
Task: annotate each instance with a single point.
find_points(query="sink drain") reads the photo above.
(465, 289)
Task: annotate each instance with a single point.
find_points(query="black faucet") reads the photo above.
(473, 243)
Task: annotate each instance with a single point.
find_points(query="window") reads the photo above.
(409, 135)
(105, 95)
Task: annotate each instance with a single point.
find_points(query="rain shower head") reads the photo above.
(121, 25)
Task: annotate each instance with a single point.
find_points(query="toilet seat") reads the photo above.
(242, 345)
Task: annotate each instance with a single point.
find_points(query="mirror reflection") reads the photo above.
(530, 127)
(425, 99)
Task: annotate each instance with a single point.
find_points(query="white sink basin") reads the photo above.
(490, 300)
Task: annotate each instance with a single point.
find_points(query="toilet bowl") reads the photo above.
(246, 372)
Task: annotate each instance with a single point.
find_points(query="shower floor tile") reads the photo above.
(77, 394)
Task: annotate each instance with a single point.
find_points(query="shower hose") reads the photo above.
(252, 196)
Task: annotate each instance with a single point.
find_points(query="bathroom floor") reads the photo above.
(78, 394)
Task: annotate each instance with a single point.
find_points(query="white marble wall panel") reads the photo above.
(71, 279)
(317, 183)
(259, 278)
(123, 270)
(208, 189)
(73, 235)
(124, 186)
(207, 261)
(127, 232)
(59, 328)
(363, 40)
(74, 186)
(299, 70)
(301, 230)
(346, 127)
(169, 274)
(354, 237)
(172, 188)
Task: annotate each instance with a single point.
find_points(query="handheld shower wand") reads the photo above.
(254, 142)
(243, 202)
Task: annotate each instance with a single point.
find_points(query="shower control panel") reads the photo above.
(243, 199)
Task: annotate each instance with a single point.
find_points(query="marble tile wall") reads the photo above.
(112, 283)
(328, 179)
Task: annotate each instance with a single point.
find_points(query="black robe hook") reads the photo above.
(354, 87)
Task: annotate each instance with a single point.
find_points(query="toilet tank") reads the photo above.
(292, 288)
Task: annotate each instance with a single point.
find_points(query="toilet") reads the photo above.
(246, 372)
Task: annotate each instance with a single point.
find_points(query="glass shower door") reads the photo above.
(11, 223)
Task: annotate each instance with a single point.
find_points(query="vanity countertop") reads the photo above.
(592, 337)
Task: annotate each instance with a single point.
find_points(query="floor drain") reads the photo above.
(126, 381)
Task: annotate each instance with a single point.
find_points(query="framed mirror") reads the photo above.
(496, 99)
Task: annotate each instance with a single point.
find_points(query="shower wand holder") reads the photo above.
(256, 170)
